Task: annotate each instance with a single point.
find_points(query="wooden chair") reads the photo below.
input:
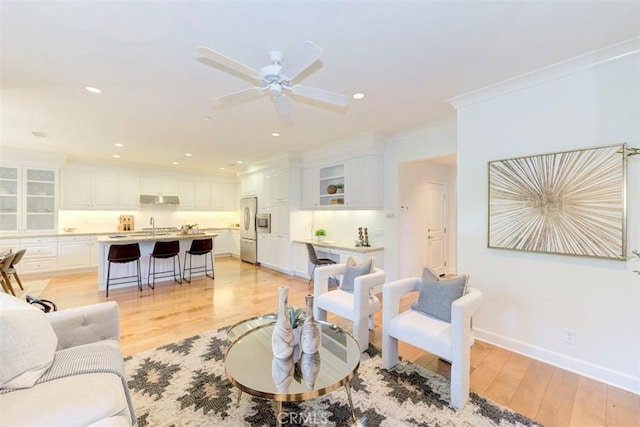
(5, 264)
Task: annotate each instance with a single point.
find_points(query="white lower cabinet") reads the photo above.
(273, 252)
(235, 243)
(223, 246)
(74, 252)
(41, 254)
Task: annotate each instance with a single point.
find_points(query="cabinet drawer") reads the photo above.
(44, 248)
(37, 264)
(70, 239)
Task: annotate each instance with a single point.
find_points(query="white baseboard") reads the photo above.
(587, 369)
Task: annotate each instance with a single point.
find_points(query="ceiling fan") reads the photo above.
(275, 80)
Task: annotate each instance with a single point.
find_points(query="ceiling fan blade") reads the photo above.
(240, 96)
(304, 57)
(227, 62)
(283, 107)
(321, 95)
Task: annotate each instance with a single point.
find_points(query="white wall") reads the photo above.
(164, 216)
(435, 140)
(529, 299)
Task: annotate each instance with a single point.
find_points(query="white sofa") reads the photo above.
(95, 399)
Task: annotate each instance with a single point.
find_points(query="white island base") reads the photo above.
(146, 243)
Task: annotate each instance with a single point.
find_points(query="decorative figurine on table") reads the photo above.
(360, 241)
(365, 241)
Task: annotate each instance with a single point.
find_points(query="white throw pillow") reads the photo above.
(27, 343)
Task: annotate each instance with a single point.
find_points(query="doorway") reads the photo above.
(427, 216)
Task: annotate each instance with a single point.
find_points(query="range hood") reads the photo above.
(147, 199)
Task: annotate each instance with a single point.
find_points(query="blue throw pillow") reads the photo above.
(353, 270)
(435, 298)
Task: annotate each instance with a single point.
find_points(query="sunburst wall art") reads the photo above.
(569, 203)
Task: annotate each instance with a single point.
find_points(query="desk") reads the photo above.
(337, 251)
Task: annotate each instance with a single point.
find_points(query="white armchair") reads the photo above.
(449, 341)
(358, 306)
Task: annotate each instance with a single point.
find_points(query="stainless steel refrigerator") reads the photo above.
(248, 242)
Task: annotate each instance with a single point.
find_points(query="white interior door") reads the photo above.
(435, 210)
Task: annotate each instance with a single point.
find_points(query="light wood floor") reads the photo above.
(551, 396)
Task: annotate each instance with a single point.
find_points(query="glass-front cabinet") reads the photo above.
(27, 199)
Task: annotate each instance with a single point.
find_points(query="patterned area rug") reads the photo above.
(184, 384)
(32, 287)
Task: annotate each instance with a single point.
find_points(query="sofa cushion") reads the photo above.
(435, 297)
(78, 400)
(353, 270)
(27, 341)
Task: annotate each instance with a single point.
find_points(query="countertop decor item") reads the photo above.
(282, 337)
(320, 234)
(310, 335)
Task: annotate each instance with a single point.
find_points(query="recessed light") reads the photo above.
(38, 134)
(221, 169)
(358, 95)
(207, 118)
(93, 89)
(119, 145)
(239, 162)
(116, 156)
(175, 163)
(275, 134)
(188, 154)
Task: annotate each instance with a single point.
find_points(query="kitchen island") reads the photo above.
(146, 242)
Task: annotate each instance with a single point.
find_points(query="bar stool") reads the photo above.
(313, 258)
(123, 254)
(164, 250)
(199, 247)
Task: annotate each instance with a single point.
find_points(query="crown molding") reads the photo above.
(552, 72)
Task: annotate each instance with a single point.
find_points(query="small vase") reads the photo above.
(310, 366)
(282, 337)
(282, 373)
(310, 335)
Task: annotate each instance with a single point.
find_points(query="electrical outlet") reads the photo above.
(570, 336)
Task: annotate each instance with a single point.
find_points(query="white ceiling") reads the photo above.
(406, 56)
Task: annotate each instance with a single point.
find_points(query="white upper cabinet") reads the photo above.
(203, 195)
(310, 186)
(28, 199)
(279, 185)
(363, 183)
(187, 195)
(154, 185)
(129, 192)
(224, 196)
(352, 184)
(88, 190)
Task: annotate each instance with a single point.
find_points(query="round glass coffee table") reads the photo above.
(251, 367)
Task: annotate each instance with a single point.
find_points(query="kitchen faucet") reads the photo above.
(153, 226)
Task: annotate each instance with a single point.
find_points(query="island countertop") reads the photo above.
(149, 237)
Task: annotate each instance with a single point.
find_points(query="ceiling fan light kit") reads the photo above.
(275, 79)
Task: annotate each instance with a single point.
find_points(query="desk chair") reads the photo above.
(313, 259)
